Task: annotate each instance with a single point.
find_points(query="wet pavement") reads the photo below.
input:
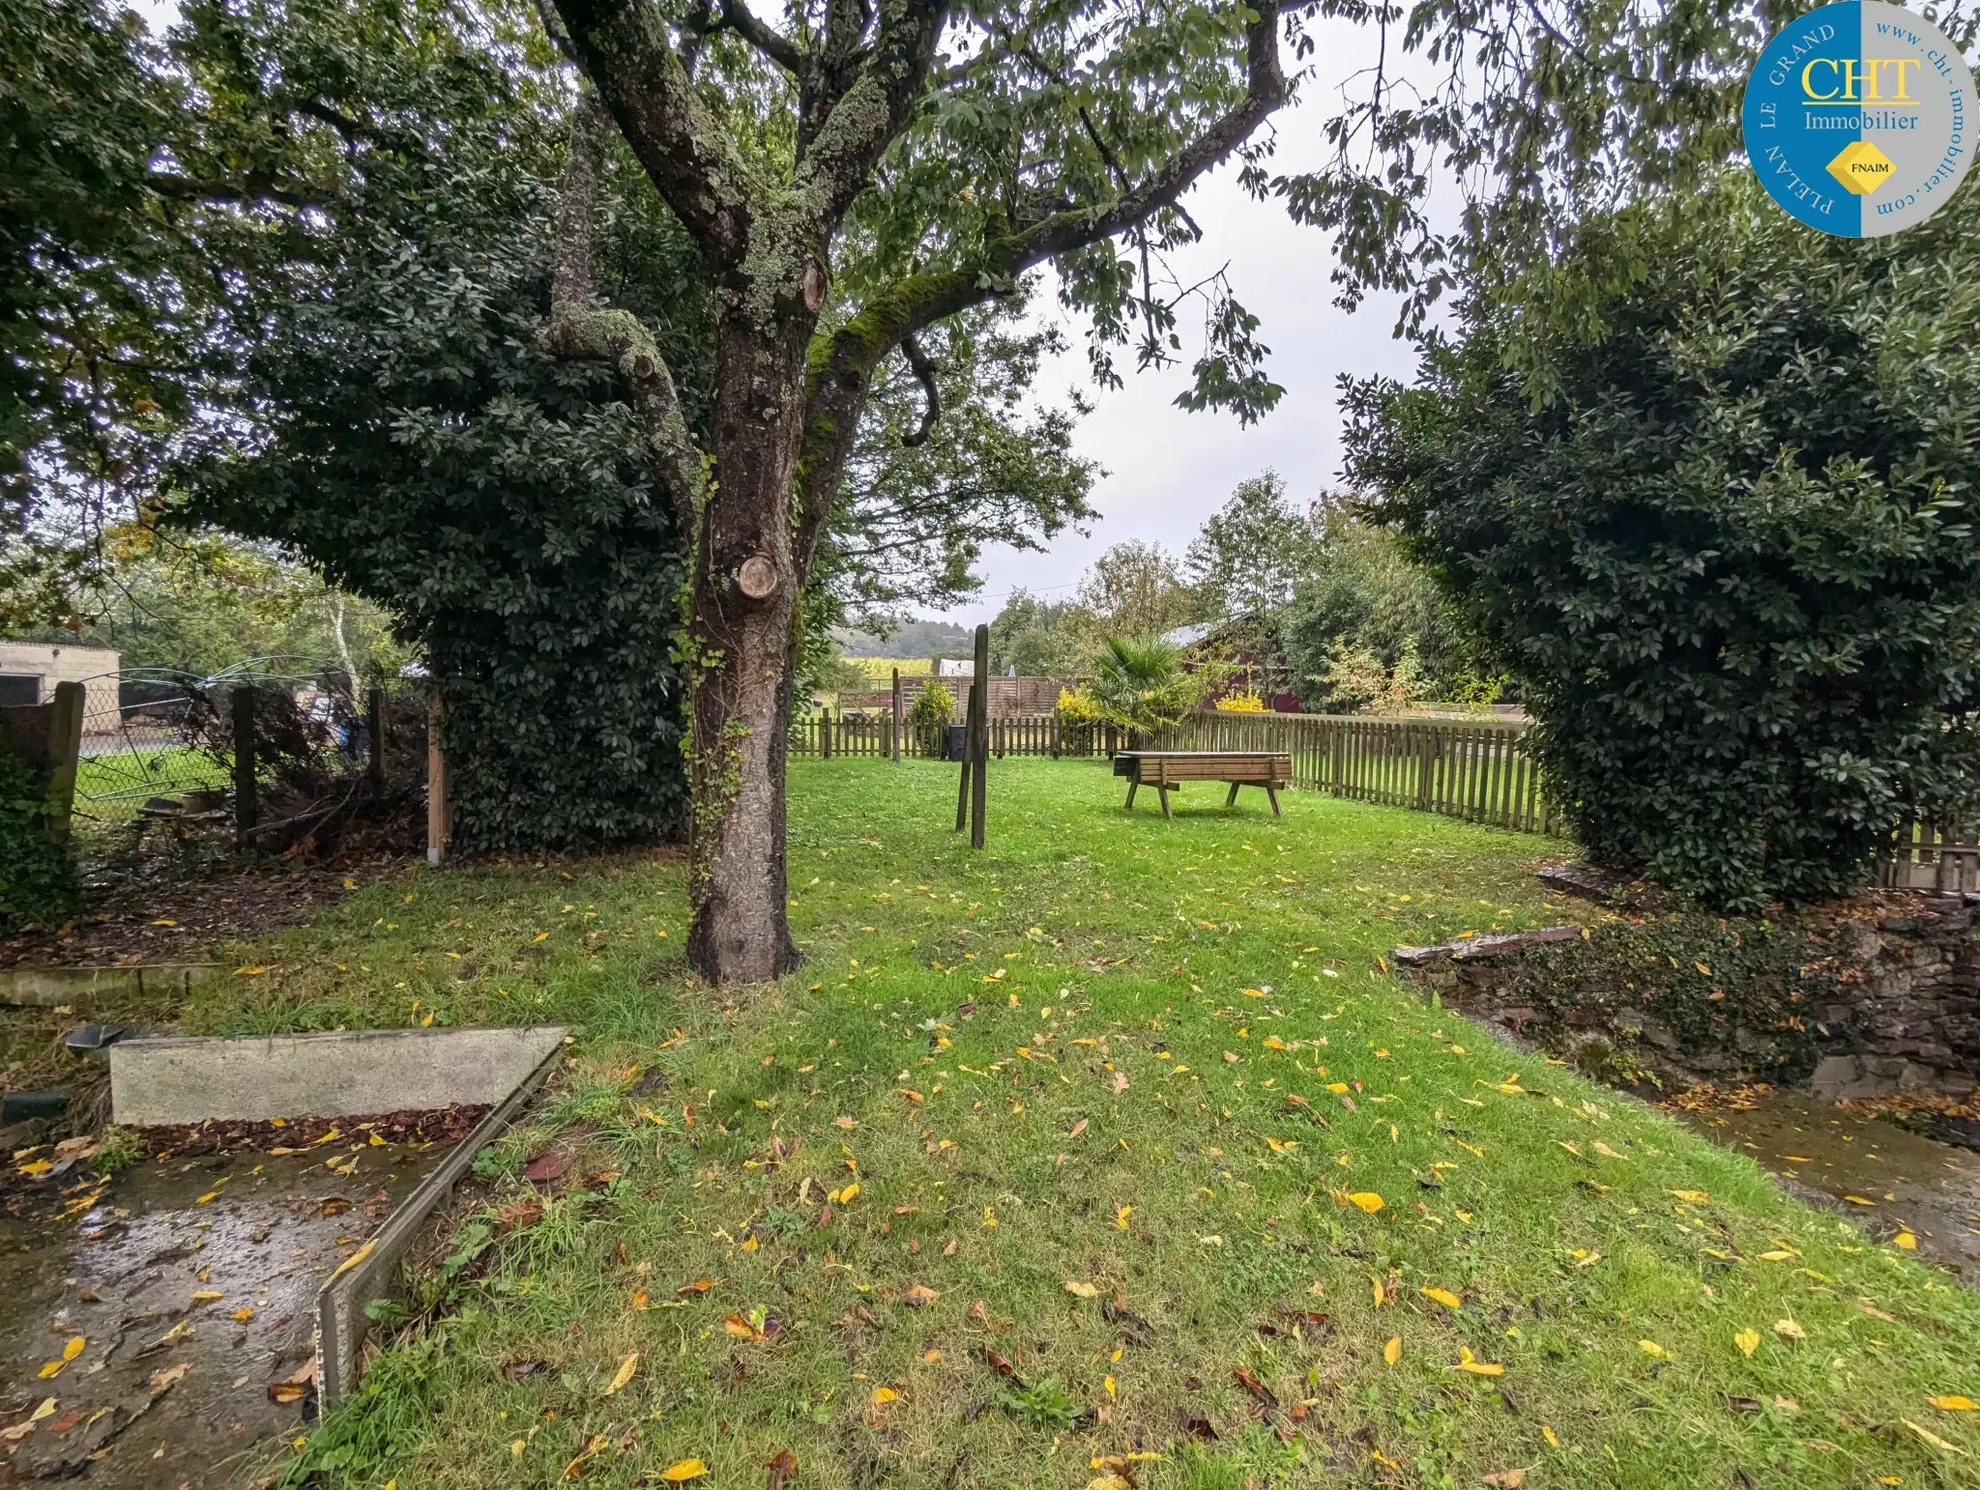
(156, 1327)
(1886, 1178)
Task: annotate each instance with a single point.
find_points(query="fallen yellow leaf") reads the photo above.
(1789, 1329)
(1553, 1438)
(1081, 1290)
(1368, 1200)
(1954, 1403)
(1468, 1362)
(1651, 1347)
(1692, 1197)
(1932, 1438)
(625, 1374)
(1443, 1296)
(244, 1314)
(1905, 1240)
(687, 1469)
(1392, 1352)
(1748, 1341)
(883, 1395)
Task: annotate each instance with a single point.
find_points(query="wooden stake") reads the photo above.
(897, 716)
(439, 811)
(979, 751)
(246, 810)
(374, 731)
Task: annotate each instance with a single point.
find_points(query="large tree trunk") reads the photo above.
(744, 606)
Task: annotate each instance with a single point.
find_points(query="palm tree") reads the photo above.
(1141, 684)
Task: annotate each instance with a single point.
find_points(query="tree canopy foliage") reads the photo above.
(1721, 527)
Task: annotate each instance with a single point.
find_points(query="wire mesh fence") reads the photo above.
(167, 748)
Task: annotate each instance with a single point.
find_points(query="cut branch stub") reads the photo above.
(757, 578)
(814, 287)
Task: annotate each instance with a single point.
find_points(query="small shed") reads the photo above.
(29, 672)
(1252, 642)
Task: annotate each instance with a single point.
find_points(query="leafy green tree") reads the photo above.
(930, 484)
(850, 185)
(1041, 638)
(1722, 529)
(1135, 589)
(1253, 551)
(404, 425)
(85, 237)
(1360, 607)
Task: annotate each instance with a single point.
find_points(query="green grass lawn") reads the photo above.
(1062, 1157)
(110, 788)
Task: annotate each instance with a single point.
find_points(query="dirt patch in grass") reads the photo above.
(142, 921)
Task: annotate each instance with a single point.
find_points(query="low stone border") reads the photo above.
(51, 987)
(341, 1325)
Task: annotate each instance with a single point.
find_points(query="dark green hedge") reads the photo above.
(37, 874)
(1709, 492)
(416, 444)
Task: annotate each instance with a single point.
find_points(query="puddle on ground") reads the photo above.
(1910, 1182)
(191, 1284)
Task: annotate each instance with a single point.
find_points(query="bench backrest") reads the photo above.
(1248, 767)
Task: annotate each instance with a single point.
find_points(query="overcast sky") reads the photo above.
(1167, 469)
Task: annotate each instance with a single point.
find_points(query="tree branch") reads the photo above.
(837, 162)
(580, 329)
(842, 365)
(924, 372)
(624, 47)
(772, 43)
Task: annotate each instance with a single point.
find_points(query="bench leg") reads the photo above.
(1273, 793)
(1132, 784)
(1231, 800)
(1164, 790)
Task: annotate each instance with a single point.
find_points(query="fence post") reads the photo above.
(895, 747)
(439, 809)
(48, 737)
(246, 811)
(65, 726)
(824, 734)
(374, 732)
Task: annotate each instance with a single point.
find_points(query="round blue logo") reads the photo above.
(1860, 118)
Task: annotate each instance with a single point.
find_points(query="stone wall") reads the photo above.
(1876, 996)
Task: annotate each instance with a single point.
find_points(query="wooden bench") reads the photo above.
(1167, 770)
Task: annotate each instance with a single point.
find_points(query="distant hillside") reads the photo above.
(913, 639)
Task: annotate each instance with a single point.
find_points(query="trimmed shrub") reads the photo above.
(1707, 489)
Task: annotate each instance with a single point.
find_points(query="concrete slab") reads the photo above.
(338, 1074)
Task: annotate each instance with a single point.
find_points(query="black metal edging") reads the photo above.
(340, 1322)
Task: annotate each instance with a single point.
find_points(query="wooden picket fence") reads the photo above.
(1929, 857)
(872, 735)
(1477, 770)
